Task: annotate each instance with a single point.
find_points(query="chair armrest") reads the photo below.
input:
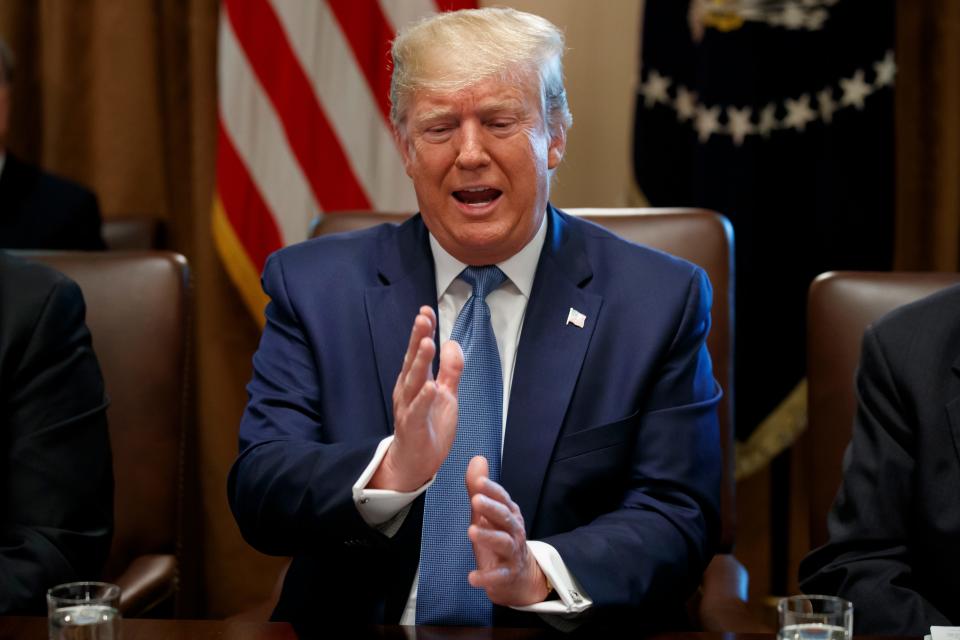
(147, 582)
(723, 598)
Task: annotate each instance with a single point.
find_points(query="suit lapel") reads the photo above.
(549, 358)
(407, 282)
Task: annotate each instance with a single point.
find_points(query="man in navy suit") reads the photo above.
(606, 507)
(39, 210)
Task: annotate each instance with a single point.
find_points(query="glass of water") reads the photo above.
(812, 617)
(84, 611)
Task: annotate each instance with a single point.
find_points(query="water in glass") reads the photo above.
(85, 622)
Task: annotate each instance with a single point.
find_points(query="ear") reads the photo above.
(558, 145)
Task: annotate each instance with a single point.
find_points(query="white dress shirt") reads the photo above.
(385, 509)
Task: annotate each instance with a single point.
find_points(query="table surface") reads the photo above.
(28, 628)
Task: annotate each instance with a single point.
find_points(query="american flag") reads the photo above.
(304, 122)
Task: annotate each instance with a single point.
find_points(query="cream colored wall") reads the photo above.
(601, 70)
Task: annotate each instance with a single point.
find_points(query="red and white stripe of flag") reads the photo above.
(304, 122)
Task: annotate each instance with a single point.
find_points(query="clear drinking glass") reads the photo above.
(812, 617)
(84, 611)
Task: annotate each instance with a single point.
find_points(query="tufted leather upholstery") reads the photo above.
(841, 305)
(137, 315)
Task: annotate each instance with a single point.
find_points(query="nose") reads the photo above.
(472, 153)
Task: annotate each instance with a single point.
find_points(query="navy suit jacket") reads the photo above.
(895, 524)
(611, 448)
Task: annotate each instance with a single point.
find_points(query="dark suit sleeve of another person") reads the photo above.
(653, 545)
(881, 555)
(56, 482)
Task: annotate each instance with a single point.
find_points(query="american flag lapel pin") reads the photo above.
(576, 318)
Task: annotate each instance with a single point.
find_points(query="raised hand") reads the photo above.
(424, 410)
(505, 567)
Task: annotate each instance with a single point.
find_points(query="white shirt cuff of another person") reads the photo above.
(386, 510)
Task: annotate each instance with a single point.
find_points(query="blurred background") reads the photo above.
(827, 131)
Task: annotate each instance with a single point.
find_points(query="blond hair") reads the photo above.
(451, 51)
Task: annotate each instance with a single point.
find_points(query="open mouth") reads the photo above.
(477, 196)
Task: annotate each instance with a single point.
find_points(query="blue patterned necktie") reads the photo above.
(446, 556)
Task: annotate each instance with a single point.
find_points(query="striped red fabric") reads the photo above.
(304, 122)
(369, 34)
(240, 195)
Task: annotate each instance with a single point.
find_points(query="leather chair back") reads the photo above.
(137, 315)
(704, 238)
(840, 307)
(133, 233)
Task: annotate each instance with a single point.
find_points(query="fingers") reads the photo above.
(491, 579)
(498, 515)
(419, 372)
(500, 543)
(496, 492)
(417, 361)
(423, 327)
(477, 472)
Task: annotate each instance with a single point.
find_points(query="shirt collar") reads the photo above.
(520, 268)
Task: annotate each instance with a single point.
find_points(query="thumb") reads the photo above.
(477, 472)
(451, 366)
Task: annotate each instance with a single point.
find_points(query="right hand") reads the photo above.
(424, 410)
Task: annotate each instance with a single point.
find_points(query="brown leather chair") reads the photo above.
(132, 233)
(840, 307)
(137, 315)
(706, 239)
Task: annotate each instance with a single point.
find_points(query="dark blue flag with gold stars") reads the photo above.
(778, 114)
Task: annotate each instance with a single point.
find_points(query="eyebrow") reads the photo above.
(511, 105)
(438, 113)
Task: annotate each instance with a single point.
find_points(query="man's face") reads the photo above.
(479, 161)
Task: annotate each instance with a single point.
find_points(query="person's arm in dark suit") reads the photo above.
(868, 558)
(57, 481)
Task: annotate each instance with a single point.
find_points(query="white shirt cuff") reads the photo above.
(572, 600)
(383, 509)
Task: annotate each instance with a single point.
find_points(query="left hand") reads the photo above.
(505, 567)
